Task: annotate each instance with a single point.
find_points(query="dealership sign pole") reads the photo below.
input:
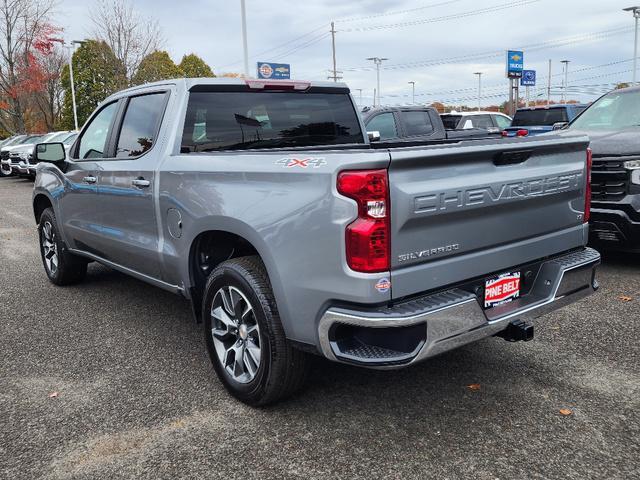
(527, 80)
(515, 65)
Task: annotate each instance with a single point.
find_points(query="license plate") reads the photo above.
(501, 289)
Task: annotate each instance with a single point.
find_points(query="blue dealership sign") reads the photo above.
(528, 78)
(274, 71)
(515, 63)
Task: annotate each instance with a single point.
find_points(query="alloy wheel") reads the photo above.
(49, 248)
(236, 334)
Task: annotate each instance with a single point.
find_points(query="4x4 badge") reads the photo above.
(290, 162)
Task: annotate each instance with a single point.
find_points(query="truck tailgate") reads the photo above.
(471, 209)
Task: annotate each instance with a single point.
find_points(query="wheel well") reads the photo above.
(40, 204)
(208, 250)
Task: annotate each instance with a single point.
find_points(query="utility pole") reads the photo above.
(636, 14)
(564, 86)
(335, 72)
(244, 38)
(413, 92)
(479, 74)
(360, 92)
(549, 84)
(378, 61)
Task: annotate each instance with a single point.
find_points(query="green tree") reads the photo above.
(156, 66)
(193, 66)
(97, 73)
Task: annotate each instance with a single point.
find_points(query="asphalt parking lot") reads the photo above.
(138, 398)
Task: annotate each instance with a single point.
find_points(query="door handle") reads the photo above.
(89, 179)
(140, 183)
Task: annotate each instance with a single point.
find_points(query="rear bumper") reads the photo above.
(391, 337)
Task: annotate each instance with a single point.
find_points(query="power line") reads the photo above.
(470, 13)
(397, 12)
(277, 47)
(560, 42)
(296, 49)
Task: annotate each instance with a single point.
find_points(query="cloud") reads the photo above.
(211, 29)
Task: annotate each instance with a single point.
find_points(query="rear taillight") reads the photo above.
(587, 188)
(522, 133)
(367, 237)
(504, 133)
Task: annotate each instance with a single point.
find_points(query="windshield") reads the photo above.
(244, 120)
(29, 139)
(539, 117)
(70, 139)
(612, 112)
(54, 137)
(451, 121)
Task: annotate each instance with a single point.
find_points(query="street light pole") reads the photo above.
(564, 88)
(244, 38)
(479, 88)
(378, 61)
(70, 48)
(413, 92)
(636, 14)
(360, 92)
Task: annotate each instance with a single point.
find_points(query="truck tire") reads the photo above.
(62, 267)
(244, 335)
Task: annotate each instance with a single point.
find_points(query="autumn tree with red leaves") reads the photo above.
(24, 33)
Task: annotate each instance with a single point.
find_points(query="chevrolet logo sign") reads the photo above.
(516, 57)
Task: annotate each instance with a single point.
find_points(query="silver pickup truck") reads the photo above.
(265, 204)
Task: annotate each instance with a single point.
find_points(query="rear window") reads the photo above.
(544, 117)
(451, 121)
(246, 120)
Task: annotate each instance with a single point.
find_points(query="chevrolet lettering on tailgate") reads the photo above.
(478, 196)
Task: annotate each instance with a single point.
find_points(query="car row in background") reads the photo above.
(16, 153)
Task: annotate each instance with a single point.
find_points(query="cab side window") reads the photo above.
(482, 121)
(140, 124)
(94, 138)
(416, 123)
(384, 123)
(503, 122)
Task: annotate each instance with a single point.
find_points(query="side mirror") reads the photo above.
(560, 125)
(49, 152)
(374, 136)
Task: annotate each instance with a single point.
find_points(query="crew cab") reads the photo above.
(531, 121)
(265, 204)
(613, 125)
(412, 124)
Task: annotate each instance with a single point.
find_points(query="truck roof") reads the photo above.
(557, 105)
(368, 111)
(191, 82)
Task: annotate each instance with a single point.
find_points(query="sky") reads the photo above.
(438, 44)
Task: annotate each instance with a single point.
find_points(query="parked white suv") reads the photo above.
(494, 122)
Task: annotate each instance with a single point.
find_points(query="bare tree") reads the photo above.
(49, 101)
(21, 22)
(130, 34)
